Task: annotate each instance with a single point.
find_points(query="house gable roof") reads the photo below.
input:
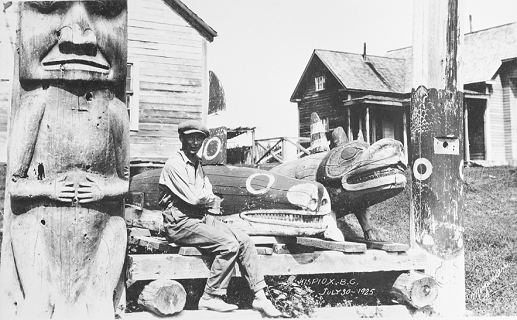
(484, 51)
(355, 72)
(196, 22)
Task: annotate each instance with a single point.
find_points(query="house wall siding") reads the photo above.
(510, 113)
(169, 54)
(326, 103)
(497, 153)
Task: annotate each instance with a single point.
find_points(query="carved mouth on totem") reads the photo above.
(390, 176)
(288, 218)
(58, 61)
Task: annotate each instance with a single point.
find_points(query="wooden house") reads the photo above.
(371, 94)
(363, 94)
(167, 79)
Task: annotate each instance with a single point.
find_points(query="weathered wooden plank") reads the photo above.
(163, 107)
(383, 245)
(169, 67)
(160, 86)
(291, 248)
(174, 266)
(138, 232)
(186, 63)
(162, 96)
(185, 58)
(176, 120)
(160, 72)
(342, 246)
(138, 34)
(170, 79)
(155, 25)
(186, 51)
(193, 251)
(154, 244)
(257, 240)
(154, 152)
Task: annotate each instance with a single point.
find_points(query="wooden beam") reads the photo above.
(437, 148)
(466, 128)
(367, 121)
(383, 245)
(348, 122)
(174, 266)
(405, 136)
(342, 246)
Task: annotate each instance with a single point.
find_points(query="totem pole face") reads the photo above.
(73, 40)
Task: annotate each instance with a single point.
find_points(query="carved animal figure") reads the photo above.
(355, 174)
(257, 202)
(68, 169)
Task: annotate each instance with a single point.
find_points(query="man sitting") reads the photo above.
(185, 196)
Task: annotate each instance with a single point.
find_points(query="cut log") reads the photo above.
(415, 288)
(163, 297)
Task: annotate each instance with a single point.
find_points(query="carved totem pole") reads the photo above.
(68, 162)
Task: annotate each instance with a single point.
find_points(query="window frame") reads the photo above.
(132, 94)
(319, 83)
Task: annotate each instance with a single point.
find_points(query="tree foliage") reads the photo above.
(217, 100)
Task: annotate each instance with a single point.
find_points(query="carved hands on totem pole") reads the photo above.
(68, 159)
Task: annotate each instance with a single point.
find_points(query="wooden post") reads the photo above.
(367, 121)
(437, 148)
(404, 130)
(68, 163)
(348, 123)
(466, 125)
(253, 147)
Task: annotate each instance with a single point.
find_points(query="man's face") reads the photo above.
(73, 40)
(192, 143)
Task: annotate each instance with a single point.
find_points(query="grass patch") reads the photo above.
(490, 218)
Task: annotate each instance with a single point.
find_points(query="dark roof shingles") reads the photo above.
(374, 73)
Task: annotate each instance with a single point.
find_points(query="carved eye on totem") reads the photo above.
(47, 7)
(349, 153)
(106, 8)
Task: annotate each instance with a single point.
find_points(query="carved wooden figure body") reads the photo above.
(68, 162)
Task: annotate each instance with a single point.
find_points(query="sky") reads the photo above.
(263, 46)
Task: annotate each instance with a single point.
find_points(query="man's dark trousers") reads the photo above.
(225, 243)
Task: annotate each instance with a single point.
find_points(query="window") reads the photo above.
(320, 83)
(132, 97)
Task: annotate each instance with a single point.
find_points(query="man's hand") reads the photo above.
(214, 205)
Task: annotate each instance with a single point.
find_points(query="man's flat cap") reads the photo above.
(191, 126)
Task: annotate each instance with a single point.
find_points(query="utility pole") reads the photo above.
(437, 148)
